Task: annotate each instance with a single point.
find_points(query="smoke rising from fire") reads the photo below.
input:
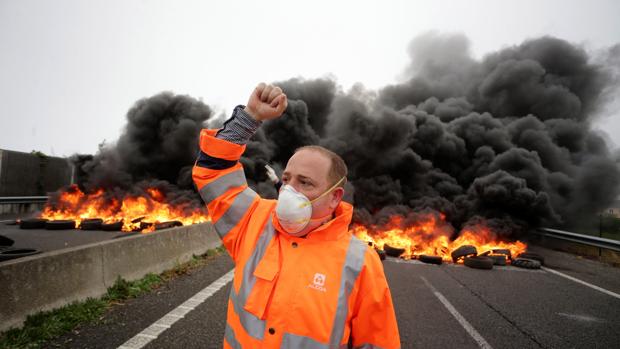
(507, 138)
(156, 149)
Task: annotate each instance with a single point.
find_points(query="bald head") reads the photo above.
(337, 167)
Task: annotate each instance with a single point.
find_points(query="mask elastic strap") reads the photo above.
(325, 193)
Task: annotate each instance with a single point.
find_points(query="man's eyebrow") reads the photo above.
(306, 178)
(300, 176)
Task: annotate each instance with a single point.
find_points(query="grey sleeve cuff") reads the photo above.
(239, 128)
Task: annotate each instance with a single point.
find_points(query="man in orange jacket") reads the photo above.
(302, 280)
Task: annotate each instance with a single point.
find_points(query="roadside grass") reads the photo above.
(46, 325)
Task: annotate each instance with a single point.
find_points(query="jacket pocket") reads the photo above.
(266, 274)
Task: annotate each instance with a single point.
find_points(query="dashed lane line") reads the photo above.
(482, 343)
(158, 327)
(600, 289)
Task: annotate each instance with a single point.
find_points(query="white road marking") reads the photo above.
(158, 327)
(482, 343)
(584, 318)
(600, 289)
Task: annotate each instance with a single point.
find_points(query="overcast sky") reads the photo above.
(70, 70)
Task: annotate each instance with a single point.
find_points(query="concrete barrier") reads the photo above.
(53, 279)
(17, 210)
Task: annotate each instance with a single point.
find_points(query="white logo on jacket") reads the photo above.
(318, 282)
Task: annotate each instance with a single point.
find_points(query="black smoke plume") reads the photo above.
(507, 138)
(156, 149)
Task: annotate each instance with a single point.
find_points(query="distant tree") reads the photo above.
(610, 223)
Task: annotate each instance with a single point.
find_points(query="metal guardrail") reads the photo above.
(8, 200)
(589, 240)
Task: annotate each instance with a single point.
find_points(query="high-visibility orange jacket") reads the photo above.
(289, 292)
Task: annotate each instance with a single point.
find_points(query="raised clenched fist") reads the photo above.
(266, 102)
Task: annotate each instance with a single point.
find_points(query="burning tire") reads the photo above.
(498, 259)
(91, 224)
(166, 225)
(430, 259)
(478, 262)
(463, 251)
(498, 251)
(533, 256)
(116, 226)
(526, 263)
(381, 254)
(32, 223)
(11, 253)
(138, 220)
(60, 225)
(393, 251)
(143, 225)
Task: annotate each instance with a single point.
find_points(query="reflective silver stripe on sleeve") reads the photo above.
(219, 186)
(235, 212)
(293, 341)
(229, 334)
(247, 284)
(352, 267)
(254, 326)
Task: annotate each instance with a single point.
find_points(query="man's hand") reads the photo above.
(271, 173)
(266, 102)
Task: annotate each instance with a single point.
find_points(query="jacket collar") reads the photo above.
(334, 229)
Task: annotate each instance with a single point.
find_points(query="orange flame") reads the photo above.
(431, 236)
(75, 205)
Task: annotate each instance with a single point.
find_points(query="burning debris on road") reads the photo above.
(143, 181)
(134, 212)
(430, 235)
(465, 152)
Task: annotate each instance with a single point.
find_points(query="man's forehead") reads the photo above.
(308, 163)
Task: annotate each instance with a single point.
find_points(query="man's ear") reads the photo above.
(337, 195)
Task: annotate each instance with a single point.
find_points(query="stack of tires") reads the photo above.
(470, 257)
(67, 224)
(488, 259)
(41, 223)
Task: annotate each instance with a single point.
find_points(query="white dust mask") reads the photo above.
(294, 209)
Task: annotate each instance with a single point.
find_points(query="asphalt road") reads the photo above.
(50, 240)
(448, 306)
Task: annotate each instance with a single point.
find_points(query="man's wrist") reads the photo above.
(246, 118)
(239, 128)
(251, 113)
